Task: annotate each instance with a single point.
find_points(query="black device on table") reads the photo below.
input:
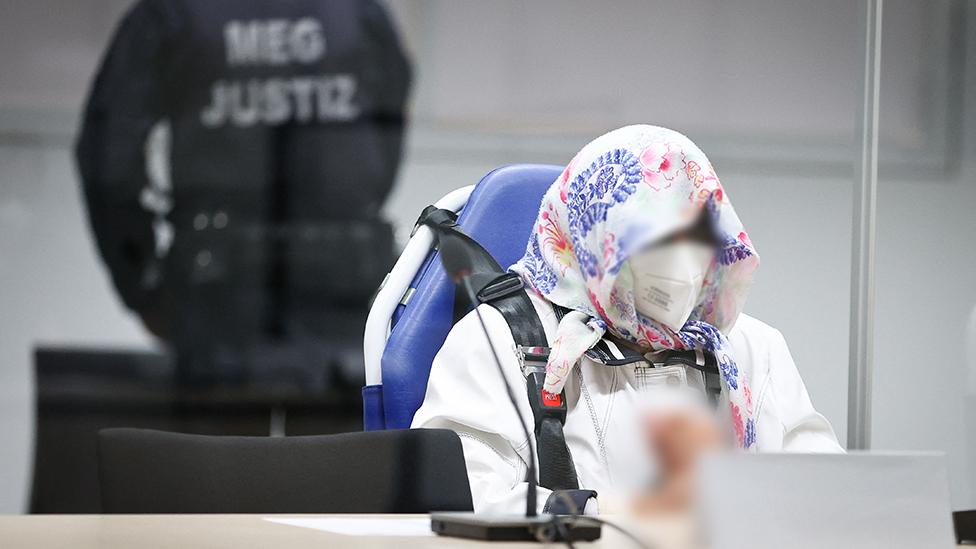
(543, 528)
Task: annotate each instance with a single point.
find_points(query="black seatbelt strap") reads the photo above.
(556, 468)
(568, 502)
(443, 221)
(505, 292)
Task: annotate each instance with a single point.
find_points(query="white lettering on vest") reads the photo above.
(302, 99)
(274, 42)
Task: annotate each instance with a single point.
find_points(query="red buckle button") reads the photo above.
(550, 399)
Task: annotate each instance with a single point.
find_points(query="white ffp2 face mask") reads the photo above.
(668, 280)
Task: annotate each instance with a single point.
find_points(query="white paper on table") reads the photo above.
(362, 526)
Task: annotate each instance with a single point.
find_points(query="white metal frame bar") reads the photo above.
(397, 283)
(861, 366)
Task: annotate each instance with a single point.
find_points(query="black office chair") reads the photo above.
(407, 471)
(965, 525)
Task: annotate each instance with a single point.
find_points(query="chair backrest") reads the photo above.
(499, 214)
(410, 471)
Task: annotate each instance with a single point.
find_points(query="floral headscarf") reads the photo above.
(624, 190)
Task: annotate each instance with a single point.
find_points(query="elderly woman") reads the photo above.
(638, 250)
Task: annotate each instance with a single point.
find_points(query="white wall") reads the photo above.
(767, 88)
(925, 377)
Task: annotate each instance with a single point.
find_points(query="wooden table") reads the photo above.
(253, 531)
(241, 532)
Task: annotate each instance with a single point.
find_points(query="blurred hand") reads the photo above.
(677, 440)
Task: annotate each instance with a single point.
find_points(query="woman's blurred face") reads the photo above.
(701, 232)
(668, 276)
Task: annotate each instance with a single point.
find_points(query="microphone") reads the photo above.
(458, 263)
(455, 257)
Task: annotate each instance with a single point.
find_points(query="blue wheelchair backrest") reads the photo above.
(499, 214)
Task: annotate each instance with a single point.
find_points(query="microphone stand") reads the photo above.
(457, 263)
(531, 494)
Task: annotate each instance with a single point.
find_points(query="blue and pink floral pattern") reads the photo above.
(624, 191)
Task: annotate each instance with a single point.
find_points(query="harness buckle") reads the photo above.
(501, 286)
(532, 359)
(545, 406)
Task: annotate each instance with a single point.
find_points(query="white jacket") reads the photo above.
(465, 394)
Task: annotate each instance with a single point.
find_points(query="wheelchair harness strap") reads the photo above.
(504, 291)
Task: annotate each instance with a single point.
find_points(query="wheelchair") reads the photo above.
(413, 311)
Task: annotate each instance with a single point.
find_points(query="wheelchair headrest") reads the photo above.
(499, 215)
